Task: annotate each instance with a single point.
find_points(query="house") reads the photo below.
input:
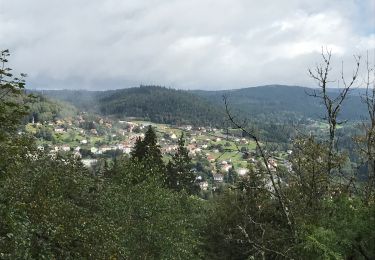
(203, 185)
(242, 171)
(88, 162)
(122, 132)
(226, 167)
(65, 148)
(77, 155)
(84, 141)
(59, 130)
(218, 177)
(94, 150)
(210, 158)
(170, 148)
(127, 149)
(104, 149)
(272, 164)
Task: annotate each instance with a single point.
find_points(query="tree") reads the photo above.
(331, 104)
(151, 146)
(147, 153)
(179, 170)
(12, 107)
(147, 149)
(366, 142)
(139, 150)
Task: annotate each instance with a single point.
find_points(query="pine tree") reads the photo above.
(179, 172)
(139, 150)
(152, 149)
(147, 153)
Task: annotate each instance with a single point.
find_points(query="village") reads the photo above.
(219, 157)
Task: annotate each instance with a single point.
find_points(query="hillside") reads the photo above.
(275, 103)
(43, 109)
(161, 105)
(279, 102)
(157, 104)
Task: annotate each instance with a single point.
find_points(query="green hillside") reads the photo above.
(275, 103)
(157, 104)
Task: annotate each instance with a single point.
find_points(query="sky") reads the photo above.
(185, 44)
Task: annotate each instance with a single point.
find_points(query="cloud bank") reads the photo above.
(189, 44)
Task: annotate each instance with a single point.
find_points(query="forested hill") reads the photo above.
(275, 103)
(280, 102)
(43, 109)
(158, 104)
(162, 105)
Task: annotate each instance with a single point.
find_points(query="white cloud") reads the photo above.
(180, 43)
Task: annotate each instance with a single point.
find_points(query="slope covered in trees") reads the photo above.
(157, 104)
(275, 103)
(279, 102)
(43, 109)
(161, 105)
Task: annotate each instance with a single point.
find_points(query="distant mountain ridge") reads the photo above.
(276, 103)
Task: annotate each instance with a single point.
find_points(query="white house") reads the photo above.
(218, 177)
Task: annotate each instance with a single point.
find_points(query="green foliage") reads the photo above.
(246, 225)
(344, 230)
(179, 170)
(43, 109)
(152, 222)
(12, 108)
(147, 153)
(46, 210)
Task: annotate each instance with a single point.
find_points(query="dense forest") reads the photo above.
(157, 104)
(276, 103)
(43, 109)
(141, 207)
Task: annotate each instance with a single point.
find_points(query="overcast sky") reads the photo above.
(189, 44)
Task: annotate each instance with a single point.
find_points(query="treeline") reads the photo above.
(143, 208)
